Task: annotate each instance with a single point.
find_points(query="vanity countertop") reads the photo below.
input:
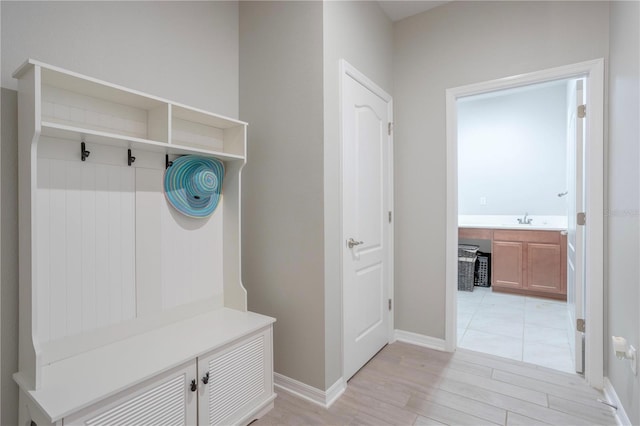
(519, 227)
(538, 223)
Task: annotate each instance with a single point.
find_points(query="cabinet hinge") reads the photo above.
(582, 111)
(389, 127)
(581, 218)
(389, 304)
(389, 216)
(580, 325)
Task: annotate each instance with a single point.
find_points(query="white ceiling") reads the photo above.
(400, 9)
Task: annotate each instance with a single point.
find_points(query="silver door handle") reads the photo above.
(351, 243)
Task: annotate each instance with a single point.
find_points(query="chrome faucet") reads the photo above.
(525, 221)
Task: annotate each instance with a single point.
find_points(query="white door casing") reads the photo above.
(575, 232)
(593, 71)
(366, 207)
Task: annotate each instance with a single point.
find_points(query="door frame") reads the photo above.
(594, 183)
(349, 71)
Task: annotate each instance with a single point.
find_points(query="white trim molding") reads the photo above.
(420, 340)
(334, 392)
(594, 181)
(314, 395)
(612, 398)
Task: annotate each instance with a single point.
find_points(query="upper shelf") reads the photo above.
(77, 107)
(61, 131)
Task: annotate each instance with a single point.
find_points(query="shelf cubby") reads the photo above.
(82, 103)
(201, 130)
(75, 107)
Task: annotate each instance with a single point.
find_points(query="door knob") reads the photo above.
(351, 243)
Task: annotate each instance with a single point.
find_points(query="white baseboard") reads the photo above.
(335, 391)
(612, 398)
(309, 393)
(420, 340)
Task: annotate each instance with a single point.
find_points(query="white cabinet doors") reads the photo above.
(231, 385)
(236, 380)
(165, 400)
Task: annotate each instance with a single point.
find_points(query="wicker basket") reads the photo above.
(467, 250)
(466, 272)
(467, 255)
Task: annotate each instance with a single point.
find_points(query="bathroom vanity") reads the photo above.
(525, 261)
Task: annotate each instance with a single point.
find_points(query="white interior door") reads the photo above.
(575, 232)
(366, 112)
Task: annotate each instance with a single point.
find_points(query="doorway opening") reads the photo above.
(532, 264)
(515, 150)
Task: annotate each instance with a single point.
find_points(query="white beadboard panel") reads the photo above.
(73, 272)
(148, 241)
(86, 273)
(101, 247)
(89, 260)
(57, 252)
(114, 223)
(55, 351)
(192, 259)
(185, 255)
(127, 252)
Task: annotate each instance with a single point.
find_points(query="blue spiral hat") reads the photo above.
(193, 185)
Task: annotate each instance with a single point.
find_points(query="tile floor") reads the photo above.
(529, 329)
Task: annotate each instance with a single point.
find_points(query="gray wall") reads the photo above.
(289, 80)
(363, 35)
(452, 45)
(512, 151)
(184, 51)
(623, 209)
(282, 199)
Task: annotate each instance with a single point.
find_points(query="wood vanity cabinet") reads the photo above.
(530, 262)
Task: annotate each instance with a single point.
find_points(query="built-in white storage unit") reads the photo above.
(130, 312)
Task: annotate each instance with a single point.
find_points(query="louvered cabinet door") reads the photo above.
(166, 400)
(239, 381)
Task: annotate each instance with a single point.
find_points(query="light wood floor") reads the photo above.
(406, 385)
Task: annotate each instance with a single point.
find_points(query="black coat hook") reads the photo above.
(131, 158)
(83, 152)
(167, 163)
